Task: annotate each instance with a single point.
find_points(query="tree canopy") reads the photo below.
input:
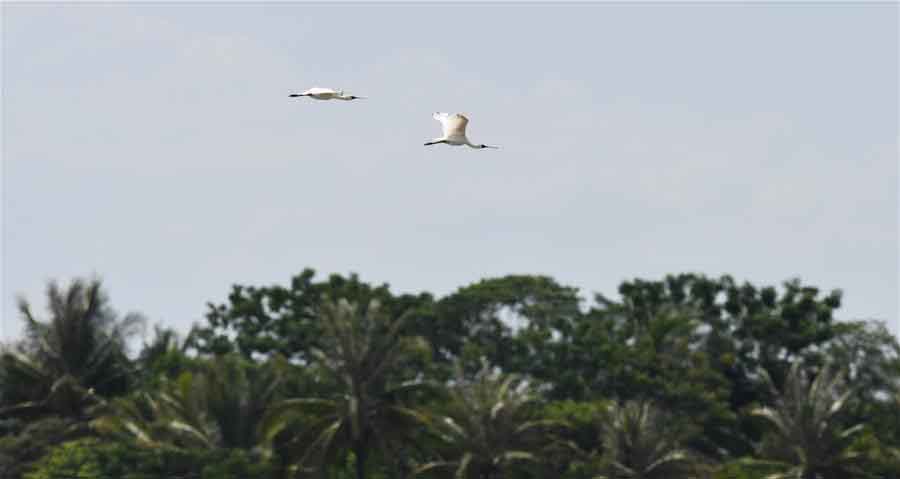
(508, 377)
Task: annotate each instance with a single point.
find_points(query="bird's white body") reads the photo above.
(319, 93)
(454, 128)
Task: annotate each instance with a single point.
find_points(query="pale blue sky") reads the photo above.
(154, 145)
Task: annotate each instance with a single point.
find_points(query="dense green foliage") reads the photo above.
(511, 377)
(488, 429)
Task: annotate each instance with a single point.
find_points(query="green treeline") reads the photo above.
(506, 378)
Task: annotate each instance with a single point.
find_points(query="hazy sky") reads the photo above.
(155, 145)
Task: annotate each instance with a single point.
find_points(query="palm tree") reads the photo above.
(808, 440)
(164, 357)
(362, 358)
(641, 441)
(53, 382)
(69, 362)
(218, 406)
(489, 427)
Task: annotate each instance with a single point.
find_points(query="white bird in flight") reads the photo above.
(454, 127)
(326, 94)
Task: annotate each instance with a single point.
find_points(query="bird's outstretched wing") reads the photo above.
(453, 125)
(319, 91)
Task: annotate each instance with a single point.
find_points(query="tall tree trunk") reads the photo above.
(359, 449)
